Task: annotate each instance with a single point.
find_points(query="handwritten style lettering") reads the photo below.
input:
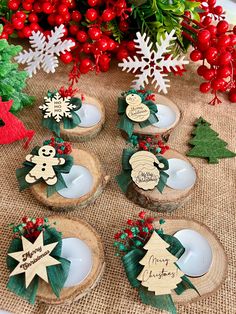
(149, 274)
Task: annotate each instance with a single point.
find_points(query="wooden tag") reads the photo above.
(160, 274)
(144, 173)
(136, 110)
(34, 259)
(44, 163)
(57, 107)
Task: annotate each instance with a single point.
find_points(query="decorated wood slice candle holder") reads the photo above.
(208, 283)
(76, 229)
(170, 198)
(97, 178)
(91, 125)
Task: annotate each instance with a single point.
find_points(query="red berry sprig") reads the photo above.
(149, 144)
(61, 147)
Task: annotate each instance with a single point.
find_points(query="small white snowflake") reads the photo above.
(45, 51)
(152, 63)
(57, 107)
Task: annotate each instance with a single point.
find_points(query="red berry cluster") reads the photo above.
(210, 11)
(61, 147)
(89, 25)
(148, 144)
(30, 228)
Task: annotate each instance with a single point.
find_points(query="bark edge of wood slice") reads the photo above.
(76, 228)
(81, 134)
(209, 283)
(153, 131)
(58, 203)
(166, 201)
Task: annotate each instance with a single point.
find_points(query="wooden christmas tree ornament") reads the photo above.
(179, 187)
(76, 228)
(169, 116)
(92, 116)
(85, 182)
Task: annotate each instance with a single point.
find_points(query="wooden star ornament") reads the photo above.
(34, 259)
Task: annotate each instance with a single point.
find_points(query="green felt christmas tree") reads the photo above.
(12, 81)
(207, 144)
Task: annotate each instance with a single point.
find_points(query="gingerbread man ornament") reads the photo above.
(44, 163)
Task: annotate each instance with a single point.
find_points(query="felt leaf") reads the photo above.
(123, 180)
(126, 125)
(151, 120)
(126, 155)
(207, 144)
(121, 105)
(132, 266)
(184, 285)
(52, 125)
(162, 181)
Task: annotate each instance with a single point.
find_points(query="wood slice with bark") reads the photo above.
(83, 134)
(58, 203)
(76, 228)
(167, 201)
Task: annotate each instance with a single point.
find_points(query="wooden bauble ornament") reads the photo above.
(215, 277)
(160, 273)
(83, 134)
(76, 228)
(167, 201)
(59, 203)
(159, 133)
(136, 110)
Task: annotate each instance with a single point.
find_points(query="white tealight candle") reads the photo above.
(181, 174)
(166, 116)
(197, 258)
(80, 256)
(89, 115)
(79, 181)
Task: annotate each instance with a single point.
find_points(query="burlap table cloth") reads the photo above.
(213, 202)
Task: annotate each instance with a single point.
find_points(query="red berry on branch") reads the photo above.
(212, 29)
(17, 23)
(76, 16)
(93, 3)
(4, 36)
(27, 31)
(51, 19)
(232, 39)
(224, 40)
(201, 70)
(85, 65)
(13, 5)
(59, 20)
(102, 44)
(223, 72)
(33, 18)
(73, 29)
(209, 74)
(21, 15)
(222, 27)
(196, 55)
(66, 57)
(225, 58)
(232, 95)
(34, 27)
(87, 47)
(62, 9)
(211, 3)
(104, 60)
(217, 83)
(207, 20)
(47, 8)
(108, 15)
(211, 54)
(204, 36)
(123, 26)
(82, 36)
(94, 33)
(122, 53)
(205, 87)
(131, 46)
(37, 7)
(91, 15)
(218, 10)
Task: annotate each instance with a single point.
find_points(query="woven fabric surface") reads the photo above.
(212, 203)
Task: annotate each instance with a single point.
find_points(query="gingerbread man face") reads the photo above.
(47, 151)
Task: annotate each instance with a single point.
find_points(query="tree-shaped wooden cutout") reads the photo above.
(207, 144)
(160, 274)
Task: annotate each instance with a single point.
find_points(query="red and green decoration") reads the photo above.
(129, 243)
(207, 144)
(69, 122)
(124, 179)
(63, 150)
(148, 98)
(31, 228)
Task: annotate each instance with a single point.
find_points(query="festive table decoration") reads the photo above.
(155, 176)
(207, 144)
(46, 49)
(11, 128)
(12, 81)
(35, 252)
(150, 115)
(62, 177)
(150, 255)
(83, 247)
(153, 62)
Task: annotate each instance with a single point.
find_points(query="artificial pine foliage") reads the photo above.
(12, 81)
(207, 144)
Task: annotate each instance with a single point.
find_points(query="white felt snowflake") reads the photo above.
(153, 62)
(45, 51)
(57, 107)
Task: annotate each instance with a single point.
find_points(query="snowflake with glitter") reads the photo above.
(46, 51)
(152, 63)
(57, 107)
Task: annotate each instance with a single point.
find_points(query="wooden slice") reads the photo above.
(76, 228)
(211, 281)
(82, 134)
(153, 131)
(57, 202)
(166, 201)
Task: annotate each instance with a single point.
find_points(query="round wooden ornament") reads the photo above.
(91, 107)
(210, 282)
(76, 228)
(57, 202)
(169, 116)
(170, 199)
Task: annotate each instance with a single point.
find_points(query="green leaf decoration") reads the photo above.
(184, 285)
(132, 266)
(57, 274)
(207, 144)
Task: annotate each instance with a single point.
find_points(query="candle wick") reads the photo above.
(76, 179)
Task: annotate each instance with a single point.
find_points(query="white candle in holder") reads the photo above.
(197, 258)
(89, 115)
(166, 116)
(79, 181)
(181, 174)
(80, 256)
